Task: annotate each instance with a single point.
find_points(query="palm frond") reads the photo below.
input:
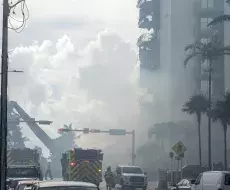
(221, 110)
(219, 19)
(190, 56)
(196, 104)
(188, 47)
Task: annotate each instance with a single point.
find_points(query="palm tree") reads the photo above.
(220, 18)
(221, 113)
(208, 50)
(198, 105)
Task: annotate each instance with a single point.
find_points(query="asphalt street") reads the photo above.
(151, 185)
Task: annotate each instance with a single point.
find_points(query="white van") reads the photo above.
(212, 180)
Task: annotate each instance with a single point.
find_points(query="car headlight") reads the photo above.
(126, 178)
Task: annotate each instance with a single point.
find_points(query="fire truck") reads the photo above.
(82, 165)
(23, 163)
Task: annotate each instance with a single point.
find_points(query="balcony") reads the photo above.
(210, 12)
(146, 23)
(147, 7)
(146, 40)
(149, 59)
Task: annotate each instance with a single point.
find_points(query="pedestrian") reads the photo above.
(48, 171)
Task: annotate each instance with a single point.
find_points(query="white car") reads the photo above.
(212, 180)
(131, 176)
(64, 185)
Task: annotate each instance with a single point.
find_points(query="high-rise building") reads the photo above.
(149, 51)
(209, 10)
(168, 26)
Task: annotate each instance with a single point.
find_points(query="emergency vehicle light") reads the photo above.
(99, 170)
(73, 164)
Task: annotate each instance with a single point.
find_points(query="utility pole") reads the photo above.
(4, 82)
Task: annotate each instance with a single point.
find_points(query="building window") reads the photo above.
(204, 22)
(207, 3)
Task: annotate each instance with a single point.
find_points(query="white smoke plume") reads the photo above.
(95, 87)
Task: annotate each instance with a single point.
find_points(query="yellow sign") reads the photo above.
(179, 148)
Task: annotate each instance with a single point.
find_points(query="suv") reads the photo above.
(131, 176)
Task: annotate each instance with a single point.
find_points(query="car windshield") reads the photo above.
(22, 172)
(68, 188)
(132, 170)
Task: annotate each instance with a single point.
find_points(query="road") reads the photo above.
(151, 185)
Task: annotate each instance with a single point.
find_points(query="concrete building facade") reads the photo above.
(175, 24)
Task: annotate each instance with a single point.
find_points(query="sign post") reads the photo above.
(179, 149)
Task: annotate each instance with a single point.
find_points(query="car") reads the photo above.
(131, 177)
(212, 180)
(183, 184)
(13, 182)
(22, 185)
(64, 185)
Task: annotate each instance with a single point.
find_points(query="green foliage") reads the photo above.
(221, 110)
(207, 50)
(198, 104)
(219, 19)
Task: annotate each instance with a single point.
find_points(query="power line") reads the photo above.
(24, 14)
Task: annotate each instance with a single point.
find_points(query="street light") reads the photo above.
(14, 71)
(41, 122)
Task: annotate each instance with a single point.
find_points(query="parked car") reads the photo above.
(212, 180)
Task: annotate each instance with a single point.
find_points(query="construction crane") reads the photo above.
(56, 146)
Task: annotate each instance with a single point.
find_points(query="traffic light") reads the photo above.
(60, 131)
(95, 130)
(86, 130)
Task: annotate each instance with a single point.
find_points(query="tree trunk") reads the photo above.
(199, 136)
(225, 147)
(209, 114)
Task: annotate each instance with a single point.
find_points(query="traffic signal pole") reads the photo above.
(4, 83)
(116, 132)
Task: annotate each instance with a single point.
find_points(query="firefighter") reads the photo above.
(109, 178)
(48, 170)
(63, 169)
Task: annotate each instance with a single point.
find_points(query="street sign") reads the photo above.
(179, 148)
(117, 132)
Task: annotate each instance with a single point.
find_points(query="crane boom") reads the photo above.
(43, 137)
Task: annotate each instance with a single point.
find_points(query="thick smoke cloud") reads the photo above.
(94, 87)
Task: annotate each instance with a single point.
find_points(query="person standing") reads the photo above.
(48, 171)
